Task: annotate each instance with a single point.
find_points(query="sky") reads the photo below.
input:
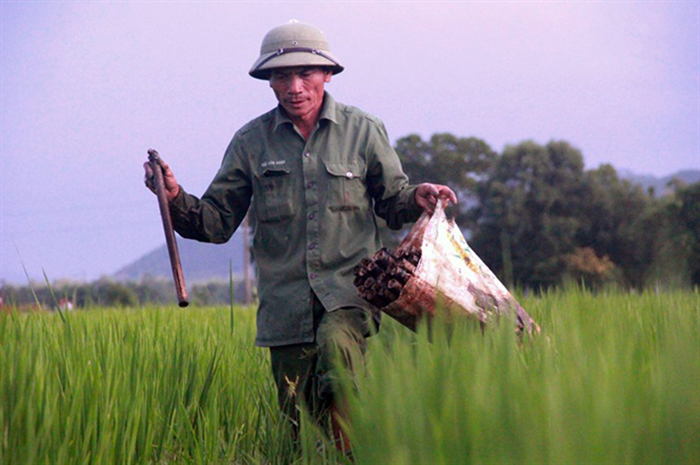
(86, 88)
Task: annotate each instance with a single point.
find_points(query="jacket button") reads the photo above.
(349, 175)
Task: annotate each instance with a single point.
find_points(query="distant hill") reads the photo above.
(200, 261)
(660, 185)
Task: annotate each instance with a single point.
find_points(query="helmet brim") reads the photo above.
(264, 64)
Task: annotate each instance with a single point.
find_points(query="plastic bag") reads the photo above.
(451, 276)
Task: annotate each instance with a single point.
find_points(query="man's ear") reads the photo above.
(328, 76)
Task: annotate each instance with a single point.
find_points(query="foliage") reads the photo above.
(613, 378)
(110, 293)
(616, 222)
(584, 266)
(531, 212)
(684, 223)
(460, 162)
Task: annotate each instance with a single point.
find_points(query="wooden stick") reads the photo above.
(178, 276)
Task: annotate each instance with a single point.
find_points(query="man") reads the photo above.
(314, 173)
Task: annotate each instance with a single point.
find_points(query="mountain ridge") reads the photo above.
(660, 185)
(201, 262)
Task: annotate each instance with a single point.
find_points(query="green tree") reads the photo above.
(107, 292)
(676, 218)
(529, 211)
(689, 218)
(459, 162)
(617, 221)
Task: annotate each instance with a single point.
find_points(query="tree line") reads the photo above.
(108, 292)
(537, 218)
(533, 214)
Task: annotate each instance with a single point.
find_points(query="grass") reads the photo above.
(613, 378)
(152, 385)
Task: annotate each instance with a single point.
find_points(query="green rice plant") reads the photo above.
(612, 378)
(137, 386)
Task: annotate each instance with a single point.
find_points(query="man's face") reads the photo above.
(300, 89)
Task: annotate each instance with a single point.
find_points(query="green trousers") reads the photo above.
(307, 374)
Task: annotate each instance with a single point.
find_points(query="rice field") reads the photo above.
(614, 377)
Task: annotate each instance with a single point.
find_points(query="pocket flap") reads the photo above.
(345, 170)
(273, 171)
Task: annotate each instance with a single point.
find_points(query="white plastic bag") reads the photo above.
(451, 276)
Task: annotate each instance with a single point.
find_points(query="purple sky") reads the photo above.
(87, 87)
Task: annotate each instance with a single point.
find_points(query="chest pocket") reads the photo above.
(274, 192)
(346, 188)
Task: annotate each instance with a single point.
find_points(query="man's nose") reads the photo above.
(294, 84)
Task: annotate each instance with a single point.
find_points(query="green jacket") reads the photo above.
(313, 206)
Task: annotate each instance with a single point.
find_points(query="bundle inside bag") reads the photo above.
(434, 267)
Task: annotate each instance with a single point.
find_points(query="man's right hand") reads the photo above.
(172, 188)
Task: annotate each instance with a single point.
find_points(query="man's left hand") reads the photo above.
(427, 195)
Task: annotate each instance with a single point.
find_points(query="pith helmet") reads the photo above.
(293, 44)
